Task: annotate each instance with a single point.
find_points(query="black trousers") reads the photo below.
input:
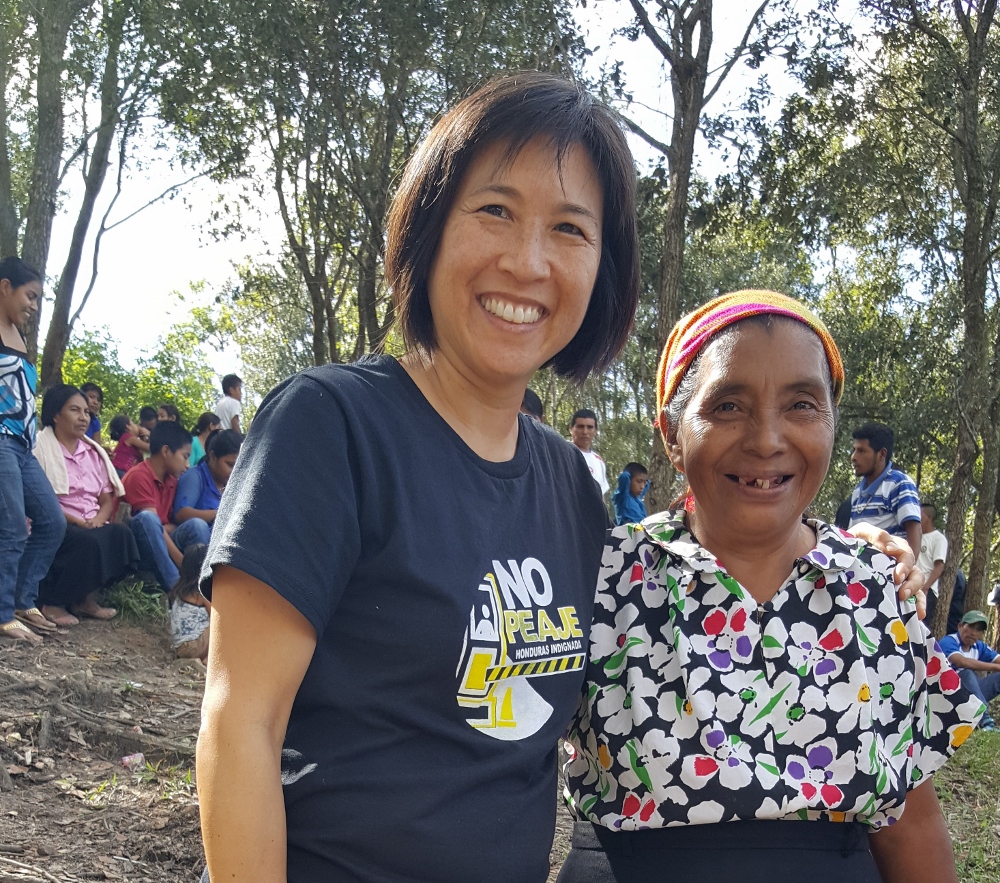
(729, 852)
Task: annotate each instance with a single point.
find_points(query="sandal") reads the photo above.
(35, 618)
(16, 630)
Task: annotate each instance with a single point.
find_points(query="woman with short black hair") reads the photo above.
(402, 567)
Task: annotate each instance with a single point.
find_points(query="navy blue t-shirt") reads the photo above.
(452, 599)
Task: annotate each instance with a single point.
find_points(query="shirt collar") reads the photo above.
(835, 550)
(867, 489)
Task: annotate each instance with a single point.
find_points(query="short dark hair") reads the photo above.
(205, 420)
(17, 272)
(878, 435)
(932, 507)
(223, 442)
(168, 434)
(533, 404)
(118, 426)
(583, 414)
(148, 412)
(515, 110)
(55, 400)
(230, 381)
(635, 469)
(92, 387)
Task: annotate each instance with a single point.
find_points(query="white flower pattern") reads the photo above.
(830, 701)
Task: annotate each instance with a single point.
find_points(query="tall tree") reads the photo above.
(338, 95)
(683, 34)
(901, 149)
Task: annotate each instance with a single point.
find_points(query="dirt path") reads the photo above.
(70, 710)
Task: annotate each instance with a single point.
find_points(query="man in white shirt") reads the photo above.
(582, 429)
(933, 553)
(228, 407)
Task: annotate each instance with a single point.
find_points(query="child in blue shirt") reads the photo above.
(628, 496)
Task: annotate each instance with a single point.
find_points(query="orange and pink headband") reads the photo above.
(693, 331)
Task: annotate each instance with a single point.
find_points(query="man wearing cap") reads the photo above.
(976, 663)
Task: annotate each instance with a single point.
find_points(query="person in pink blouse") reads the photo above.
(94, 553)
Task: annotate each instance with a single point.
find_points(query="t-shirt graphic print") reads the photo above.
(516, 634)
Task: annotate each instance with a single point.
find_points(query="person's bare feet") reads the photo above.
(17, 631)
(59, 615)
(92, 610)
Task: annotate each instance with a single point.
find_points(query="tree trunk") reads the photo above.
(982, 534)
(53, 20)
(57, 338)
(8, 208)
(688, 75)
(980, 213)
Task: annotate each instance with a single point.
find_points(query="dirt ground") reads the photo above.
(70, 710)
(74, 707)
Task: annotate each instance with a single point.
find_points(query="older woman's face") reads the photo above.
(756, 438)
(516, 265)
(74, 418)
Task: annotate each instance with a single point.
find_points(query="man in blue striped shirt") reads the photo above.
(885, 496)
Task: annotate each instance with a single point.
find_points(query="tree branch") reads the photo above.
(649, 139)
(654, 35)
(737, 53)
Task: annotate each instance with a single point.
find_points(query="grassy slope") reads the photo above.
(969, 789)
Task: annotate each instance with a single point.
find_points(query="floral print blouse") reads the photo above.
(828, 702)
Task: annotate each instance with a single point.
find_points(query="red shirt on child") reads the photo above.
(125, 456)
(143, 490)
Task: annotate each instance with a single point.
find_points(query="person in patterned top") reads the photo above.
(748, 665)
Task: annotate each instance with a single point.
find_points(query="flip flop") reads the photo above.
(35, 618)
(17, 632)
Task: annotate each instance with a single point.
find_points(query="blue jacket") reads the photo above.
(628, 509)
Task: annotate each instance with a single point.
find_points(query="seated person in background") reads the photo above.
(167, 411)
(229, 407)
(628, 496)
(531, 405)
(133, 442)
(95, 401)
(207, 424)
(978, 665)
(150, 488)
(94, 553)
(148, 418)
(199, 490)
(189, 608)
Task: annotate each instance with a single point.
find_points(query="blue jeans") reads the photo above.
(983, 688)
(25, 492)
(153, 554)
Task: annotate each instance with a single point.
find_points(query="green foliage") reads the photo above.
(177, 371)
(135, 604)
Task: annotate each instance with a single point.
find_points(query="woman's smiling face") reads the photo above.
(518, 258)
(756, 437)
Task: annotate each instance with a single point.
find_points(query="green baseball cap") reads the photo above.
(974, 616)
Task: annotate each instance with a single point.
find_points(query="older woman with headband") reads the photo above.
(748, 665)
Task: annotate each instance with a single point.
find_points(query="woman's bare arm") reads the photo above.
(259, 651)
(917, 849)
